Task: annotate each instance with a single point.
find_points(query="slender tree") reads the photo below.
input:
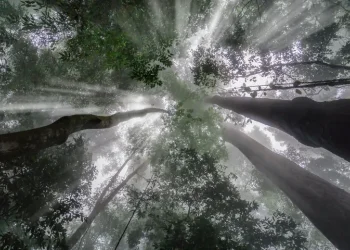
(193, 204)
(102, 202)
(14, 144)
(327, 206)
(315, 124)
(42, 194)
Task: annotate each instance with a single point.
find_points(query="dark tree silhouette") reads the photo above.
(327, 206)
(23, 142)
(315, 124)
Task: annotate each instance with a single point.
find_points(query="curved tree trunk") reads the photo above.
(18, 143)
(315, 124)
(101, 204)
(327, 206)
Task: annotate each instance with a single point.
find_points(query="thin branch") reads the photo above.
(257, 4)
(331, 83)
(336, 83)
(317, 62)
(114, 177)
(133, 214)
(338, 3)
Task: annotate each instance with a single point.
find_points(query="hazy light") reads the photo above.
(182, 8)
(33, 106)
(67, 91)
(277, 18)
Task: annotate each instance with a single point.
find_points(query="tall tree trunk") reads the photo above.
(315, 124)
(47, 207)
(18, 143)
(100, 205)
(327, 206)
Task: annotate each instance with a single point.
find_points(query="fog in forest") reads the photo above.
(174, 124)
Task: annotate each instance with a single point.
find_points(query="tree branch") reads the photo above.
(29, 141)
(114, 177)
(318, 62)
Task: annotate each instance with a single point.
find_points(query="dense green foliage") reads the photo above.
(187, 210)
(42, 193)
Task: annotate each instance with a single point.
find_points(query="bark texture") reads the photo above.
(23, 142)
(327, 206)
(101, 204)
(315, 124)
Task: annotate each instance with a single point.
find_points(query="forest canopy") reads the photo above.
(174, 124)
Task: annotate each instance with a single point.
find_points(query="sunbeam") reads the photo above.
(174, 124)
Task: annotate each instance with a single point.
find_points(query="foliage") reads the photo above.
(197, 233)
(208, 69)
(191, 194)
(194, 128)
(108, 227)
(10, 241)
(25, 63)
(104, 44)
(132, 44)
(9, 25)
(41, 193)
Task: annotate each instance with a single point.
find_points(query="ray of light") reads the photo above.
(67, 91)
(182, 9)
(33, 106)
(284, 24)
(64, 84)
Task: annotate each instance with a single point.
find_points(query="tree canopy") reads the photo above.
(174, 124)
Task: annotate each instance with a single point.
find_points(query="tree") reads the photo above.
(326, 205)
(101, 38)
(42, 193)
(104, 56)
(107, 227)
(315, 124)
(103, 200)
(267, 48)
(328, 168)
(18, 143)
(193, 204)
